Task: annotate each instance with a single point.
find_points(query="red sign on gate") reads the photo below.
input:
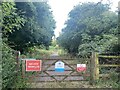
(33, 65)
(81, 67)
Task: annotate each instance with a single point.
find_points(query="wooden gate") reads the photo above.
(48, 72)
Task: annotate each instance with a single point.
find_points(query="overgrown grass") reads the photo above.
(41, 52)
(21, 82)
(38, 52)
(109, 82)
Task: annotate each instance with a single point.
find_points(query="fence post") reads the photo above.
(94, 68)
(17, 60)
(97, 66)
(23, 68)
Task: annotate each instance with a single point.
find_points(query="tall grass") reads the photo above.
(112, 81)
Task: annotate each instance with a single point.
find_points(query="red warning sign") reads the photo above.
(33, 65)
(81, 67)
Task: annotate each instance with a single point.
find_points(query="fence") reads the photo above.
(95, 66)
(48, 71)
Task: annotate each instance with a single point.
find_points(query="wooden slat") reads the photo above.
(61, 81)
(49, 75)
(64, 64)
(74, 78)
(58, 59)
(109, 56)
(57, 78)
(52, 73)
(33, 76)
(40, 79)
(104, 75)
(49, 62)
(67, 75)
(55, 71)
(108, 65)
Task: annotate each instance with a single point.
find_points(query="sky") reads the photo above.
(61, 8)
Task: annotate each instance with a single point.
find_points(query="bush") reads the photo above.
(109, 82)
(9, 73)
(8, 67)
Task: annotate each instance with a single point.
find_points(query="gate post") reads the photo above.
(17, 60)
(23, 68)
(94, 68)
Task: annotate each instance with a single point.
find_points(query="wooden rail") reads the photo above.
(103, 56)
(107, 65)
(58, 59)
(94, 66)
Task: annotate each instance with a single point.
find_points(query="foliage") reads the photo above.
(7, 58)
(11, 19)
(38, 28)
(111, 82)
(21, 82)
(37, 52)
(24, 24)
(8, 67)
(90, 27)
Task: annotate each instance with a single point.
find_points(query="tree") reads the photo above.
(38, 28)
(11, 20)
(90, 27)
